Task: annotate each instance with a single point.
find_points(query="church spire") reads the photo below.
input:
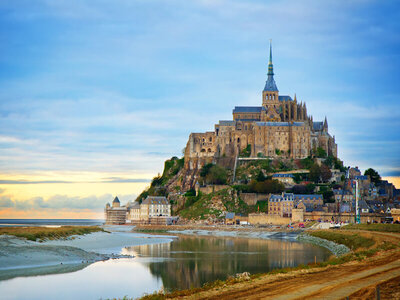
(270, 85)
(270, 65)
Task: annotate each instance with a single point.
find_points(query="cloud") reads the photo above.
(124, 91)
(58, 202)
(6, 202)
(105, 180)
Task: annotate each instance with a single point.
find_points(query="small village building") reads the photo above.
(115, 214)
(281, 205)
(395, 212)
(230, 218)
(342, 195)
(312, 199)
(156, 206)
(134, 212)
(286, 179)
(353, 172)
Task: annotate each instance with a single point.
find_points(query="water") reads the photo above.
(188, 261)
(49, 222)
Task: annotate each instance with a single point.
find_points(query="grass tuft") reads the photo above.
(374, 227)
(42, 233)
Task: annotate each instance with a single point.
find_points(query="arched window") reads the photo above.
(203, 150)
(209, 149)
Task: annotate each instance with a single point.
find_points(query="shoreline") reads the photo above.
(22, 257)
(360, 269)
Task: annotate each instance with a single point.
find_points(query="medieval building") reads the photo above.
(280, 127)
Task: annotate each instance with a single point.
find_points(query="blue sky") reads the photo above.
(117, 86)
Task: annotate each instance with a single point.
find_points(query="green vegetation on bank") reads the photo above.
(374, 227)
(41, 233)
(157, 187)
(352, 241)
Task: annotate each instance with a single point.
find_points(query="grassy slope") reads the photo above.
(352, 241)
(200, 207)
(40, 233)
(374, 227)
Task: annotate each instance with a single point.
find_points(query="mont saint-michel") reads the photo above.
(280, 127)
(270, 164)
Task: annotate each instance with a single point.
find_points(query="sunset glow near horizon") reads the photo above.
(94, 98)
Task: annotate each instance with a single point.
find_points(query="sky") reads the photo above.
(96, 95)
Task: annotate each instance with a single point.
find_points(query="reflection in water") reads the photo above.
(191, 261)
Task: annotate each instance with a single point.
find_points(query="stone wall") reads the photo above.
(395, 214)
(264, 219)
(208, 189)
(344, 217)
(252, 198)
(297, 215)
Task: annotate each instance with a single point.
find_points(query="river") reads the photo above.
(178, 263)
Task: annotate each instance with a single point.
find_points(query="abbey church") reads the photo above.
(280, 127)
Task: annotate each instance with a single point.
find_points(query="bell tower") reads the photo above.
(270, 95)
(270, 92)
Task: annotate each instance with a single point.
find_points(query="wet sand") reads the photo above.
(20, 257)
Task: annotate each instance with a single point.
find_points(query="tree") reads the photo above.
(216, 175)
(320, 152)
(299, 189)
(325, 173)
(205, 170)
(315, 173)
(267, 186)
(260, 176)
(310, 188)
(374, 175)
(306, 163)
(329, 161)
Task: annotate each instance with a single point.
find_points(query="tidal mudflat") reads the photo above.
(149, 263)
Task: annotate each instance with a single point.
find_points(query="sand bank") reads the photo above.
(20, 257)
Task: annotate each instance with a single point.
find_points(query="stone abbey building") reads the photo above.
(280, 127)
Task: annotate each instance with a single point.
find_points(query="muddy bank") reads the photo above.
(20, 257)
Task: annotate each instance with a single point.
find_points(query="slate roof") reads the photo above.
(116, 200)
(230, 215)
(283, 175)
(155, 200)
(308, 196)
(248, 120)
(318, 126)
(270, 84)
(285, 98)
(279, 124)
(278, 198)
(361, 177)
(247, 109)
(226, 123)
(135, 205)
(340, 192)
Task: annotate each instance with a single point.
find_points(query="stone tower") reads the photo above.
(270, 103)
